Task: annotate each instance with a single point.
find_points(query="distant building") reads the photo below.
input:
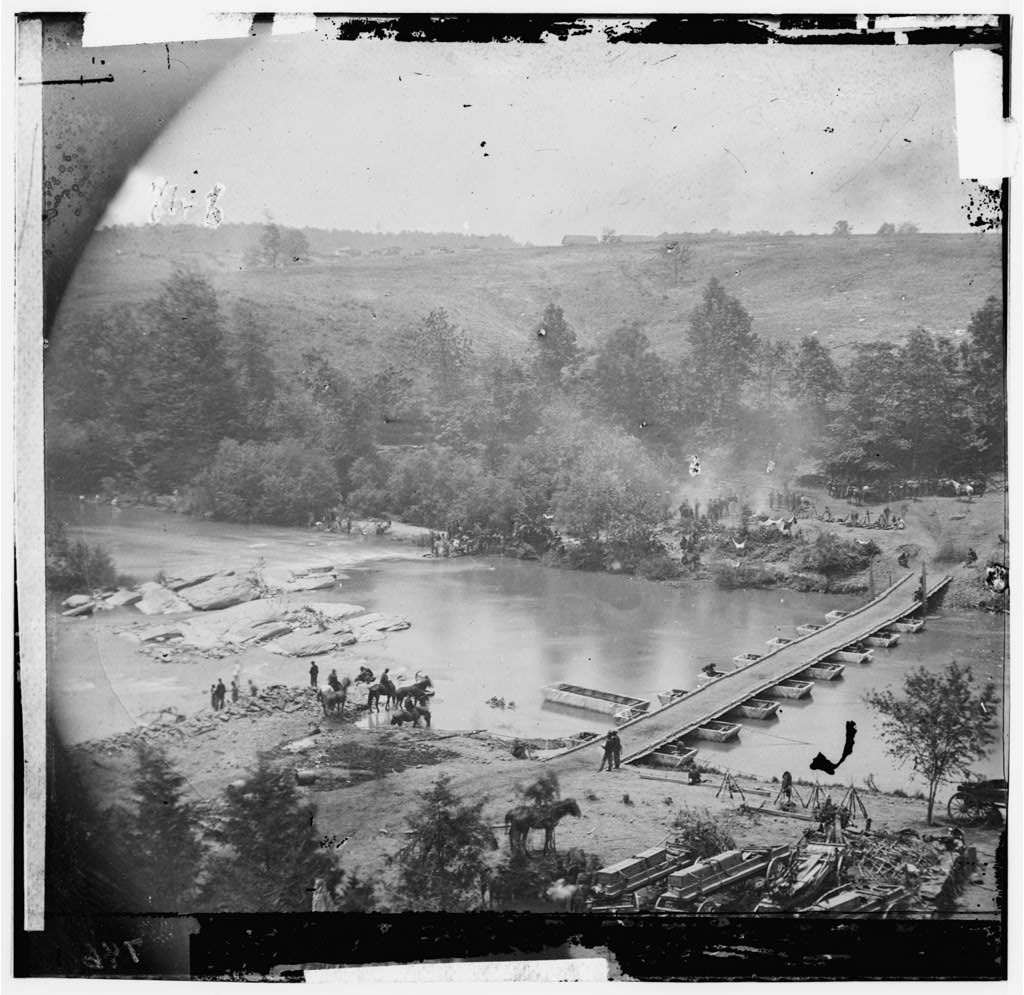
(580, 240)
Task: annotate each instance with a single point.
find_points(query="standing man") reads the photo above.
(313, 671)
(609, 752)
(221, 693)
(616, 750)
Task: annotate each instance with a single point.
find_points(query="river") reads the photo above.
(501, 628)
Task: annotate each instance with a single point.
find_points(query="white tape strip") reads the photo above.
(986, 142)
(293, 24)
(589, 969)
(142, 25)
(28, 448)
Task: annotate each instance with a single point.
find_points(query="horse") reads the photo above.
(333, 700)
(382, 687)
(365, 676)
(417, 691)
(519, 821)
(411, 714)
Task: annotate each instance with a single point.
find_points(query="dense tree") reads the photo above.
(280, 483)
(940, 725)
(445, 354)
(157, 838)
(773, 363)
(556, 349)
(187, 396)
(886, 228)
(985, 369)
(815, 379)
(630, 379)
(908, 228)
(842, 229)
(253, 368)
(722, 350)
(269, 856)
(442, 864)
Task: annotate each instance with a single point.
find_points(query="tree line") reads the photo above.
(183, 395)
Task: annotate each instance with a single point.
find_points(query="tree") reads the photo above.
(441, 866)
(277, 245)
(188, 401)
(270, 856)
(908, 228)
(557, 350)
(249, 355)
(156, 836)
(842, 228)
(941, 724)
(609, 237)
(886, 228)
(815, 379)
(445, 354)
(630, 380)
(985, 369)
(722, 349)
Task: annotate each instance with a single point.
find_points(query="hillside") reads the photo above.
(347, 304)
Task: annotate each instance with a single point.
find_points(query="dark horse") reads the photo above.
(411, 713)
(519, 821)
(417, 691)
(332, 700)
(382, 687)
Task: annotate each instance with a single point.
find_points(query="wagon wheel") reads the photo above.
(963, 810)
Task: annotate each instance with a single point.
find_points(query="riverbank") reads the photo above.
(365, 784)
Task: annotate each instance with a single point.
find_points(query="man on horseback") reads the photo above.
(333, 681)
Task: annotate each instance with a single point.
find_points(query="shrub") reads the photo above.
(74, 566)
(703, 833)
(279, 483)
(834, 557)
(949, 552)
(657, 566)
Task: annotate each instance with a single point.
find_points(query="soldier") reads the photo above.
(313, 671)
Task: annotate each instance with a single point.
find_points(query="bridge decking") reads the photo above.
(645, 734)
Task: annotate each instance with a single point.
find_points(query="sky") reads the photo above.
(537, 141)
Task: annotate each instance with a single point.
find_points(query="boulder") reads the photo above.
(307, 642)
(157, 600)
(123, 598)
(159, 633)
(87, 609)
(220, 591)
(332, 610)
(317, 582)
(191, 579)
(76, 601)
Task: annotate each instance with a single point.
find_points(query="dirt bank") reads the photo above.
(366, 782)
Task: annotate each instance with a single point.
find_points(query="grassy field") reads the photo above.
(845, 290)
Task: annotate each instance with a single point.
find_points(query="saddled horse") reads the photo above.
(411, 713)
(519, 821)
(383, 688)
(417, 691)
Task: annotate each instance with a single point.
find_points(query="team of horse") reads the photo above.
(879, 492)
(410, 698)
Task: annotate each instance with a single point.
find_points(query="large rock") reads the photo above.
(122, 598)
(306, 642)
(377, 622)
(189, 579)
(157, 600)
(220, 591)
(87, 609)
(332, 610)
(316, 582)
(76, 601)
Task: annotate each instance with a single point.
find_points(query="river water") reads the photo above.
(501, 628)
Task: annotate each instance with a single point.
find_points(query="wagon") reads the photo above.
(976, 802)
